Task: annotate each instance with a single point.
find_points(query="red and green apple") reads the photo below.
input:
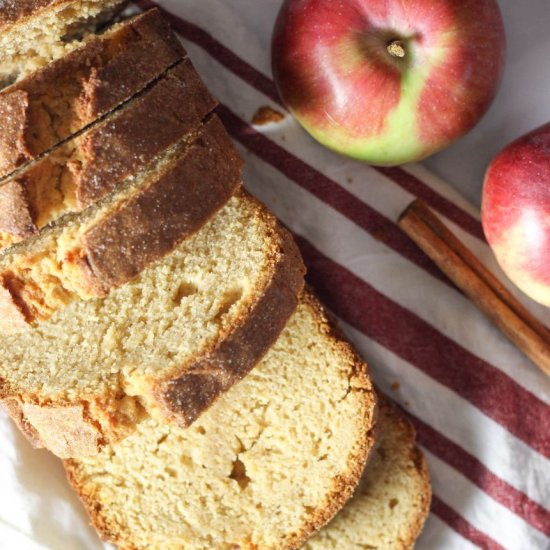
(388, 81)
(516, 212)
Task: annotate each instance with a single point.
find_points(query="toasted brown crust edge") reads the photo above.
(111, 150)
(16, 213)
(183, 398)
(93, 509)
(74, 429)
(186, 200)
(148, 124)
(68, 427)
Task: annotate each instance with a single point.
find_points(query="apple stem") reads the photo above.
(396, 48)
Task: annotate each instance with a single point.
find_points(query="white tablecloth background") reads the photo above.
(481, 408)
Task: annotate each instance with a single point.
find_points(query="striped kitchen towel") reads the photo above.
(480, 408)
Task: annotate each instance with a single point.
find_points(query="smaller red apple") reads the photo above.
(516, 212)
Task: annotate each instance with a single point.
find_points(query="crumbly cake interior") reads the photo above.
(50, 185)
(50, 188)
(51, 34)
(43, 272)
(270, 458)
(393, 499)
(104, 347)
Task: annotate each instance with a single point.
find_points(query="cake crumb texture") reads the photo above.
(269, 463)
(392, 502)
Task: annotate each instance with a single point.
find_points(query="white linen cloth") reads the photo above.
(480, 407)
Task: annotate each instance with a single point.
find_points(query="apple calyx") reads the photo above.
(396, 48)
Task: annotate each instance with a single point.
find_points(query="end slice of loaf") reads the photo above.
(88, 167)
(111, 242)
(271, 462)
(35, 32)
(392, 502)
(170, 341)
(65, 96)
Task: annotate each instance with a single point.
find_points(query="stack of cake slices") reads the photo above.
(156, 332)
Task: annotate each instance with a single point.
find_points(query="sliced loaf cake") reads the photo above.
(392, 501)
(171, 341)
(112, 241)
(85, 169)
(268, 464)
(65, 96)
(34, 32)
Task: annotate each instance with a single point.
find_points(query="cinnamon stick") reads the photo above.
(477, 282)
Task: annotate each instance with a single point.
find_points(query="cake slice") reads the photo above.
(170, 341)
(34, 32)
(268, 464)
(112, 241)
(392, 502)
(65, 96)
(85, 169)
